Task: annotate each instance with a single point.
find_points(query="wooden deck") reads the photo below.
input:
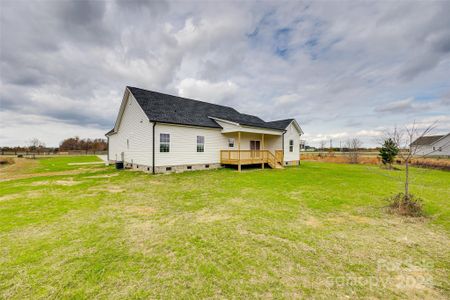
(250, 157)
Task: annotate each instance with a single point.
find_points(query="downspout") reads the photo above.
(282, 145)
(107, 149)
(153, 152)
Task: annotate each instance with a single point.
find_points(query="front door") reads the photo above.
(255, 146)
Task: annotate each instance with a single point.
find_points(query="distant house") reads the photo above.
(160, 133)
(433, 145)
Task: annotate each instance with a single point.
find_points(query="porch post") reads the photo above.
(262, 152)
(239, 151)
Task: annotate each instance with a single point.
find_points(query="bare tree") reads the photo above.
(322, 145)
(35, 143)
(353, 146)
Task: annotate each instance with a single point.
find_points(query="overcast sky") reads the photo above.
(342, 69)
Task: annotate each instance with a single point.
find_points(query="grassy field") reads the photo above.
(318, 230)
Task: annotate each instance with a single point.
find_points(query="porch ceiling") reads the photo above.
(230, 127)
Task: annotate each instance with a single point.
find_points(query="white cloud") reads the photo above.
(48, 130)
(287, 99)
(339, 68)
(216, 92)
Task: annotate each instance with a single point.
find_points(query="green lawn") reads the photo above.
(319, 230)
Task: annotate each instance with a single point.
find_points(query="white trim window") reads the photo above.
(164, 142)
(231, 143)
(291, 145)
(200, 143)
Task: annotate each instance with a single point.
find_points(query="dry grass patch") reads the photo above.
(140, 210)
(204, 216)
(9, 197)
(103, 176)
(311, 221)
(69, 182)
(110, 189)
(19, 166)
(49, 174)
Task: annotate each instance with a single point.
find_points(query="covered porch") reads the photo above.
(251, 148)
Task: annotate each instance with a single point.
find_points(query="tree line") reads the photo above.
(69, 144)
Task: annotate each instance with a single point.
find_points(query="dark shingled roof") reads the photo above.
(177, 110)
(427, 140)
(280, 124)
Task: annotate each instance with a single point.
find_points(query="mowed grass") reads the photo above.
(318, 230)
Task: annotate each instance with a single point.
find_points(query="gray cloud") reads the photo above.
(335, 66)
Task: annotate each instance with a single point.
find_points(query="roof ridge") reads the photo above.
(133, 87)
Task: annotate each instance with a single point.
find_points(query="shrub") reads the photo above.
(388, 152)
(406, 205)
(6, 161)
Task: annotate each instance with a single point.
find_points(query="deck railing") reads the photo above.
(246, 157)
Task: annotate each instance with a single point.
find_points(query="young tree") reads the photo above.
(404, 140)
(388, 152)
(353, 146)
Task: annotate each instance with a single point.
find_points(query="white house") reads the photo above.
(160, 133)
(433, 145)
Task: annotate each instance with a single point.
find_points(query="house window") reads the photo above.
(231, 142)
(434, 148)
(291, 145)
(200, 143)
(164, 142)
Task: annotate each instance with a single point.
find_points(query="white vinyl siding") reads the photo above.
(291, 134)
(134, 136)
(183, 145)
